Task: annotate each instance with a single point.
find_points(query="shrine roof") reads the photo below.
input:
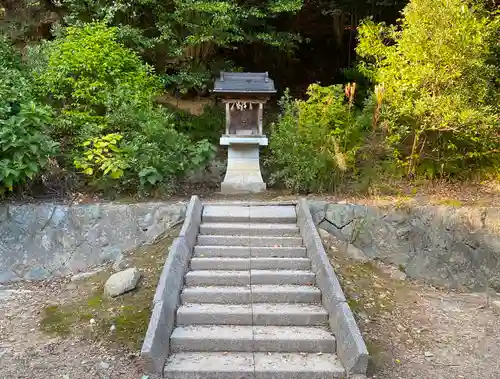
(244, 82)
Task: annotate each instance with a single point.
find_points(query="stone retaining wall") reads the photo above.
(458, 247)
(439, 244)
(41, 241)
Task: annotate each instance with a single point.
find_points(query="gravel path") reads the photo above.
(435, 334)
(27, 352)
(428, 334)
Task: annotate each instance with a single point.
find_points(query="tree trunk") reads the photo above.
(13, 9)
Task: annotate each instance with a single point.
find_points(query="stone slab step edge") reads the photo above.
(238, 278)
(247, 252)
(195, 365)
(249, 229)
(225, 338)
(253, 241)
(242, 213)
(252, 314)
(250, 263)
(252, 294)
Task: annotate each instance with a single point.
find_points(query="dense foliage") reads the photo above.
(103, 94)
(25, 146)
(90, 78)
(433, 112)
(182, 37)
(314, 143)
(187, 40)
(81, 82)
(441, 112)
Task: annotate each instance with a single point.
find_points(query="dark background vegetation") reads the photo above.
(327, 29)
(112, 97)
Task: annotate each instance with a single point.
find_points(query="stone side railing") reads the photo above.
(155, 348)
(351, 348)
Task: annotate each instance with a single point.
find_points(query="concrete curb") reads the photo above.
(351, 348)
(155, 348)
(191, 225)
(244, 203)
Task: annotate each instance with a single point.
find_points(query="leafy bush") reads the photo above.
(438, 69)
(183, 37)
(103, 154)
(24, 144)
(159, 154)
(314, 143)
(208, 125)
(89, 74)
(104, 93)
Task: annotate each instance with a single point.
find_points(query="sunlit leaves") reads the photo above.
(438, 69)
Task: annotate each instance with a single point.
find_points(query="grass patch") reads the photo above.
(57, 320)
(451, 203)
(373, 297)
(129, 313)
(366, 288)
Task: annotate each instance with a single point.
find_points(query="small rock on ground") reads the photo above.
(495, 304)
(122, 282)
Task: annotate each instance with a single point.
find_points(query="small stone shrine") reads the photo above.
(244, 94)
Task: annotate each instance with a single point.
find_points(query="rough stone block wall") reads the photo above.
(458, 247)
(40, 241)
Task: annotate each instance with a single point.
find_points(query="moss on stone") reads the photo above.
(129, 313)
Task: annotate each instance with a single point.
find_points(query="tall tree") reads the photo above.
(440, 71)
(182, 37)
(24, 20)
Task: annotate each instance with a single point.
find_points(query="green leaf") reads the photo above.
(116, 174)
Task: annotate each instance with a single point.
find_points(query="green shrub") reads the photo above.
(104, 155)
(89, 75)
(24, 143)
(104, 95)
(314, 143)
(208, 125)
(438, 70)
(185, 37)
(159, 154)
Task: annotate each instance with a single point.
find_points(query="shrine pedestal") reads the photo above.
(243, 165)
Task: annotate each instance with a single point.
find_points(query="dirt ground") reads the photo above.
(435, 334)
(412, 331)
(28, 352)
(63, 329)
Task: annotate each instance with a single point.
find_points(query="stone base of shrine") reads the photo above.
(243, 170)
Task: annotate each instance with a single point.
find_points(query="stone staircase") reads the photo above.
(250, 307)
(248, 292)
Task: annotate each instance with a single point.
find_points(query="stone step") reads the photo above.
(249, 294)
(225, 338)
(238, 213)
(196, 365)
(249, 229)
(289, 314)
(217, 278)
(298, 366)
(238, 277)
(250, 263)
(281, 277)
(252, 314)
(247, 252)
(253, 241)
